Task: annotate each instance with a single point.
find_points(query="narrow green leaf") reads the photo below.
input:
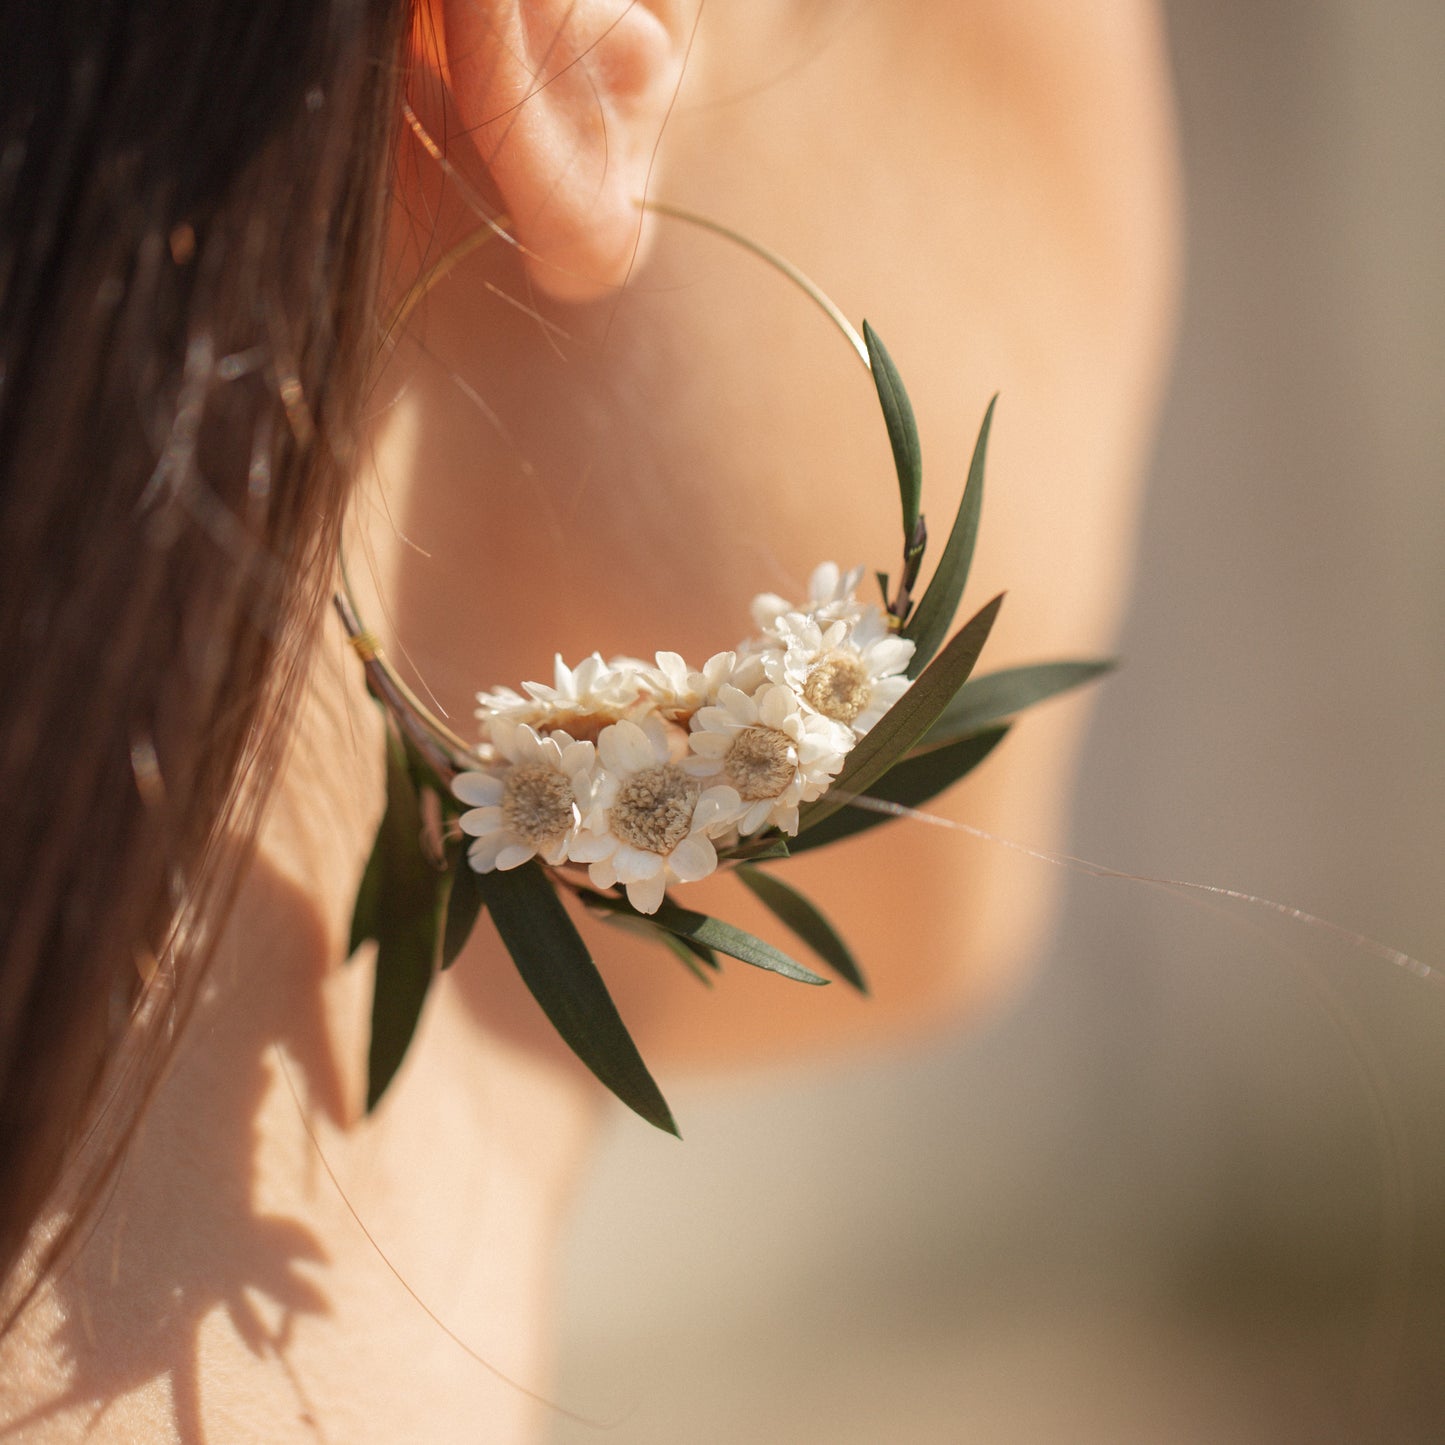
(895, 733)
(400, 905)
(929, 623)
(640, 927)
(364, 912)
(682, 950)
(555, 965)
(902, 429)
(910, 783)
(984, 700)
(699, 951)
(624, 915)
(806, 920)
(465, 902)
(404, 966)
(735, 942)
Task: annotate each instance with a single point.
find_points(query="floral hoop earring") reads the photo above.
(621, 781)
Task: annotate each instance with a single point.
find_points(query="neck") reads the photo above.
(271, 1267)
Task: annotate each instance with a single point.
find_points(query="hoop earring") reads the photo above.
(621, 781)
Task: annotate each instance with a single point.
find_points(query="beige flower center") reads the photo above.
(838, 687)
(761, 764)
(654, 809)
(538, 804)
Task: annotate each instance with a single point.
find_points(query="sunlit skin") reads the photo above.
(561, 462)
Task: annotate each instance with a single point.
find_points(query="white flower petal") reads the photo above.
(738, 703)
(767, 608)
(786, 819)
(624, 748)
(823, 584)
(481, 821)
(528, 748)
(717, 670)
(514, 855)
(750, 672)
(712, 719)
(590, 847)
(482, 854)
(478, 790)
(711, 745)
(634, 864)
(715, 806)
(701, 767)
(693, 858)
(674, 668)
(755, 817)
(646, 896)
(776, 705)
(891, 654)
(574, 757)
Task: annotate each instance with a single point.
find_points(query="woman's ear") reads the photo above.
(565, 101)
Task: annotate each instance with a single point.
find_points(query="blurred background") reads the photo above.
(1189, 1186)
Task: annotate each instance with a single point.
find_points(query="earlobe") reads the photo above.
(565, 101)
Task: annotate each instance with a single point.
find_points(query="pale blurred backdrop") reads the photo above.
(1190, 1187)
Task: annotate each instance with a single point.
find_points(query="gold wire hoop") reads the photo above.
(442, 748)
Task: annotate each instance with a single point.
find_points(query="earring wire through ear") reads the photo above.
(800, 279)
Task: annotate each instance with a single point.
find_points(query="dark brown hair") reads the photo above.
(190, 236)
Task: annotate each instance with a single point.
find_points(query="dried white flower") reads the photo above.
(530, 803)
(830, 599)
(581, 701)
(676, 691)
(770, 749)
(650, 821)
(847, 671)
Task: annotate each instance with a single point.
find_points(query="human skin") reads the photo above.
(992, 186)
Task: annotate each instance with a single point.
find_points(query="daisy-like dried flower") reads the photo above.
(529, 804)
(849, 672)
(677, 691)
(770, 749)
(651, 821)
(830, 598)
(581, 701)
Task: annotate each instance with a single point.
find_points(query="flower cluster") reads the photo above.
(643, 771)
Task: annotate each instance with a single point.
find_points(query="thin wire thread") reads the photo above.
(1412, 965)
(400, 1278)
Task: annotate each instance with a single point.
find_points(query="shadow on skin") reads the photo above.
(180, 1237)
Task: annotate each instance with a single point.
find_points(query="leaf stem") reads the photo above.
(444, 751)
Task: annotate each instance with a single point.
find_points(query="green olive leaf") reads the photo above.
(1003, 694)
(400, 904)
(806, 920)
(464, 905)
(737, 943)
(558, 970)
(900, 728)
(688, 954)
(902, 430)
(929, 623)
